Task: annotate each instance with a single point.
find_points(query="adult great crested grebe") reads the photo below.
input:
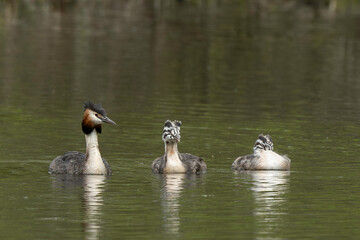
(90, 163)
(263, 158)
(173, 161)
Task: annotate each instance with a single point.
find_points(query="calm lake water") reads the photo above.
(229, 70)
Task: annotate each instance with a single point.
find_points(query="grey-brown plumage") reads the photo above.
(77, 163)
(72, 163)
(248, 162)
(263, 158)
(173, 161)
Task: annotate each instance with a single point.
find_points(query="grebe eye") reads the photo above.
(97, 115)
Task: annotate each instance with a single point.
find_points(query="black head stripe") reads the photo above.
(262, 138)
(167, 124)
(264, 142)
(269, 143)
(177, 123)
(259, 144)
(95, 107)
(171, 130)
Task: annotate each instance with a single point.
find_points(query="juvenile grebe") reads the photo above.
(263, 158)
(173, 161)
(91, 162)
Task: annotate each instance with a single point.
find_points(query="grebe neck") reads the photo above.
(171, 149)
(94, 163)
(173, 162)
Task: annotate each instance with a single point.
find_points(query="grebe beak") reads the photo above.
(108, 120)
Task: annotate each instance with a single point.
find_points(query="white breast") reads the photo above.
(94, 163)
(174, 164)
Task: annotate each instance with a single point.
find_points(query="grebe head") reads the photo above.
(264, 142)
(171, 132)
(94, 116)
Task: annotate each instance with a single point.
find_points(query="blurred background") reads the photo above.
(229, 70)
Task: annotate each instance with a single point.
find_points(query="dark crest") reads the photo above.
(95, 107)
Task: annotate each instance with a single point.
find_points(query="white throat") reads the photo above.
(94, 163)
(173, 162)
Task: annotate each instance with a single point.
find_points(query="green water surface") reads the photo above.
(229, 70)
